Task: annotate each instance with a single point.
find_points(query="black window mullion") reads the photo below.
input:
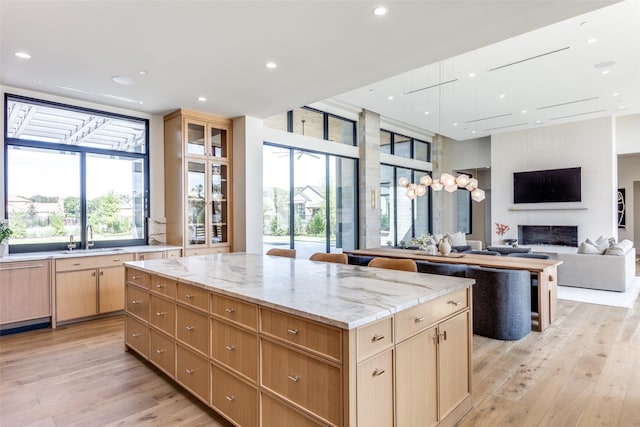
(292, 221)
(327, 228)
(84, 219)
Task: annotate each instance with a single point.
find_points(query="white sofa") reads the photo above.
(605, 272)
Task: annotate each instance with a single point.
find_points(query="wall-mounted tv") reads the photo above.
(546, 186)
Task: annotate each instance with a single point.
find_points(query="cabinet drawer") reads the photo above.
(162, 314)
(84, 262)
(235, 348)
(318, 338)
(374, 338)
(303, 379)
(375, 390)
(206, 251)
(147, 256)
(138, 302)
(163, 286)
(193, 329)
(426, 314)
(234, 398)
(192, 371)
(162, 353)
(137, 336)
(138, 277)
(276, 413)
(195, 297)
(236, 311)
(174, 253)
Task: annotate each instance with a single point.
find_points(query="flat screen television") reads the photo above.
(546, 186)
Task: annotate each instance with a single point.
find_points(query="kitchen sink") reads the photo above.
(88, 251)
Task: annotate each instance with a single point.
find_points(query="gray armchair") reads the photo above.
(501, 302)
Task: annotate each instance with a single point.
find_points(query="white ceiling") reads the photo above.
(326, 48)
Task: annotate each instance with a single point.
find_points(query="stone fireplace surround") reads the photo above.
(550, 235)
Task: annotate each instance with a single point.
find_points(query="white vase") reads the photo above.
(445, 246)
(4, 248)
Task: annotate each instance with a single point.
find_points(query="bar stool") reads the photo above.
(402, 264)
(289, 253)
(325, 257)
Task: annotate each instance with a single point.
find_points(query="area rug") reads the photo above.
(592, 296)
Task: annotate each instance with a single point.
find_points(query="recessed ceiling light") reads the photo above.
(592, 40)
(455, 124)
(502, 95)
(142, 72)
(622, 107)
(583, 23)
(272, 65)
(202, 99)
(390, 97)
(473, 131)
(426, 112)
(538, 122)
(605, 71)
(604, 64)
(615, 94)
(524, 111)
(472, 75)
(23, 55)
(122, 80)
(380, 10)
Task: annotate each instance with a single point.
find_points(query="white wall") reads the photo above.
(628, 134)
(588, 144)
(628, 173)
(156, 144)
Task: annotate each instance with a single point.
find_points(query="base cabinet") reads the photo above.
(258, 366)
(25, 291)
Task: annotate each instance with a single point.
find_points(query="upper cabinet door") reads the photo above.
(196, 213)
(196, 136)
(219, 205)
(218, 142)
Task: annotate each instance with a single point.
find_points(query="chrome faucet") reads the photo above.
(89, 237)
(72, 244)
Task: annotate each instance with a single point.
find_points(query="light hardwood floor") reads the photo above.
(584, 370)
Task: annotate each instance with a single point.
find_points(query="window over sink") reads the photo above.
(68, 167)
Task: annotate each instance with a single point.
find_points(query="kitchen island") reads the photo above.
(275, 341)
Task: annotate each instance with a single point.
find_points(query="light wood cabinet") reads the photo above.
(148, 256)
(25, 291)
(198, 194)
(87, 286)
(261, 366)
(427, 392)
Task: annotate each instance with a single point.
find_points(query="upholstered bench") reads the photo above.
(444, 269)
(506, 250)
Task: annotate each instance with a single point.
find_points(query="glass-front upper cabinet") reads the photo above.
(218, 141)
(219, 201)
(196, 203)
(205, 139)
(196, 138)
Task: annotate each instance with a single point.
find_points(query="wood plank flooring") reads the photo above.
(584, 370)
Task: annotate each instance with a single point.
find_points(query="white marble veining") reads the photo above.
(38, 256)
(345, 296)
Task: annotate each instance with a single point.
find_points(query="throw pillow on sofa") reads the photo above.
(603, 243)
(588, 248)
(457, 239)
(620, 249)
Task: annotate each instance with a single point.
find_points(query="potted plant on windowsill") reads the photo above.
(5, 233)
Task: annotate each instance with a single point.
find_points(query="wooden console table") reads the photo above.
(546, 269)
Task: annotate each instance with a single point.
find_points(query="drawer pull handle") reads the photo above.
(190, 371)
(444, 335)
(294, 378)
(230, 347)
(456, 303)
(293, 331)
(377, 372)
(136, 301)
(190, 296)
(159, 286)
(230, 310)
(377, 337)
(135, 335)
(116, 260)
(160, 351)
(77, 263)
(551, 278)
(189, 328)
(161, 313)
(134, 277)
(230, 398)
(419, 319)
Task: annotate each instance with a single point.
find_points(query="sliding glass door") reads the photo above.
(309, 201)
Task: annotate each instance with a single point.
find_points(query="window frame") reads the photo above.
(82, 151)
(412, 145)
(325, 125)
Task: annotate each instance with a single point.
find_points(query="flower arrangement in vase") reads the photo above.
(5, 233)
(501, 229)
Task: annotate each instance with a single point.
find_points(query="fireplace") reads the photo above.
(556, 235)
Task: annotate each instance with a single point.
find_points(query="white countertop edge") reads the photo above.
(42, 256)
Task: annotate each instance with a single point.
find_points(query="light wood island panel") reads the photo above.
(265, 366)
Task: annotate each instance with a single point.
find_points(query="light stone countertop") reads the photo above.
(39, 256)
(345, 296)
